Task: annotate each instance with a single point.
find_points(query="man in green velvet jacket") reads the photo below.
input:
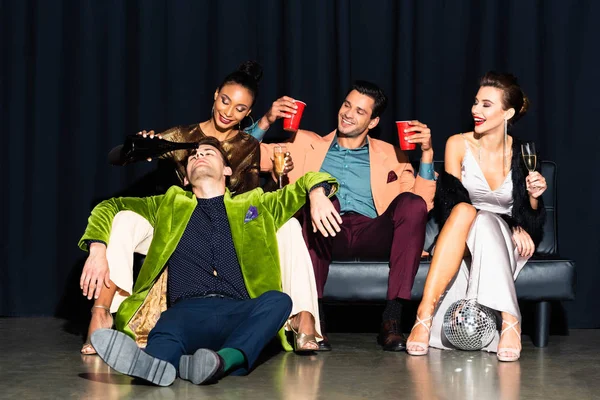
(223, 264)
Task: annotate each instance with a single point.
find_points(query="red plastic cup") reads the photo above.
(292, 124)
(401, 126)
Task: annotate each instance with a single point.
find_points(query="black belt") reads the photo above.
(217, 295)
(206, 296)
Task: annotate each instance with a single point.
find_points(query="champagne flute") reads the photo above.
(529, 155)
(279, 162)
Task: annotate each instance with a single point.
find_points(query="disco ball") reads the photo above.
(469, 326)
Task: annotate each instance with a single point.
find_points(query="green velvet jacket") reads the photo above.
(254, 218)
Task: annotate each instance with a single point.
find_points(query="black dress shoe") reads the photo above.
(122, 354)
(324, 344)
(391, 337)
(204, 367)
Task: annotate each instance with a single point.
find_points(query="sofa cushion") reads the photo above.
(540, 279)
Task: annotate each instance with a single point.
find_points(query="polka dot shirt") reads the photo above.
(205, 261)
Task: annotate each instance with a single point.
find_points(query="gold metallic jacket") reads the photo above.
(243, 153)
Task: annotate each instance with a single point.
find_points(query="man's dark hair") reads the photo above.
(211, 141)
(373, 91)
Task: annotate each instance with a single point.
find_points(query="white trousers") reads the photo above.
(131, 233)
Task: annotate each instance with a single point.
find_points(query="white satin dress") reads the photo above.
(489, 275)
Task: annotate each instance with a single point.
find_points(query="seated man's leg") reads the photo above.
(242, 328)
(408, 213)
(298, 281)
(185, 327)
(122, 354)
(180, 330)
(222, 334)
(130, 233)
(253, 323)
(398, 233)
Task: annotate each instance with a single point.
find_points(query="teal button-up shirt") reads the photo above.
(255, 131)
(351, 167)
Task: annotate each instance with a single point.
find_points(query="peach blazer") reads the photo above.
(391, 171)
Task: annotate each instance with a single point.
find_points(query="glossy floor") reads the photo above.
(39, 359)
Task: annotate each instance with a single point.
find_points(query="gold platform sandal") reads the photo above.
(87, 348)
(301, 340)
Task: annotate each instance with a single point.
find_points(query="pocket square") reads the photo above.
(392, 177)
(251, 214)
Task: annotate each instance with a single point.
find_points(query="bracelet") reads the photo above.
(426, 171)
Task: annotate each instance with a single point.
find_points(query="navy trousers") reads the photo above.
(215, 323)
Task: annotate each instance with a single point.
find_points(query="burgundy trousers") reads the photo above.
(398, 235)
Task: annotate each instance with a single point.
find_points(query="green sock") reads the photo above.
(233, 358)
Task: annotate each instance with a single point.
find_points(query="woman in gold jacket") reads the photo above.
(233, 101)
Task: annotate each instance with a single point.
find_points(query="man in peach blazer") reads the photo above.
(383, 206)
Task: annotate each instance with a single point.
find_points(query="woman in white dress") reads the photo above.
(492, 215)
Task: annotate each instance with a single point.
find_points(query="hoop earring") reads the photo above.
(240, 124)
(212, 111)
(251, 119)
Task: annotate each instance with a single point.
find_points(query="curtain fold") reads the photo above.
(77, 76)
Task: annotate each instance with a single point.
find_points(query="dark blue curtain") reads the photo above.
(77, 76)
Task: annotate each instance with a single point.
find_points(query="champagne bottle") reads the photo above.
(138, 148)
